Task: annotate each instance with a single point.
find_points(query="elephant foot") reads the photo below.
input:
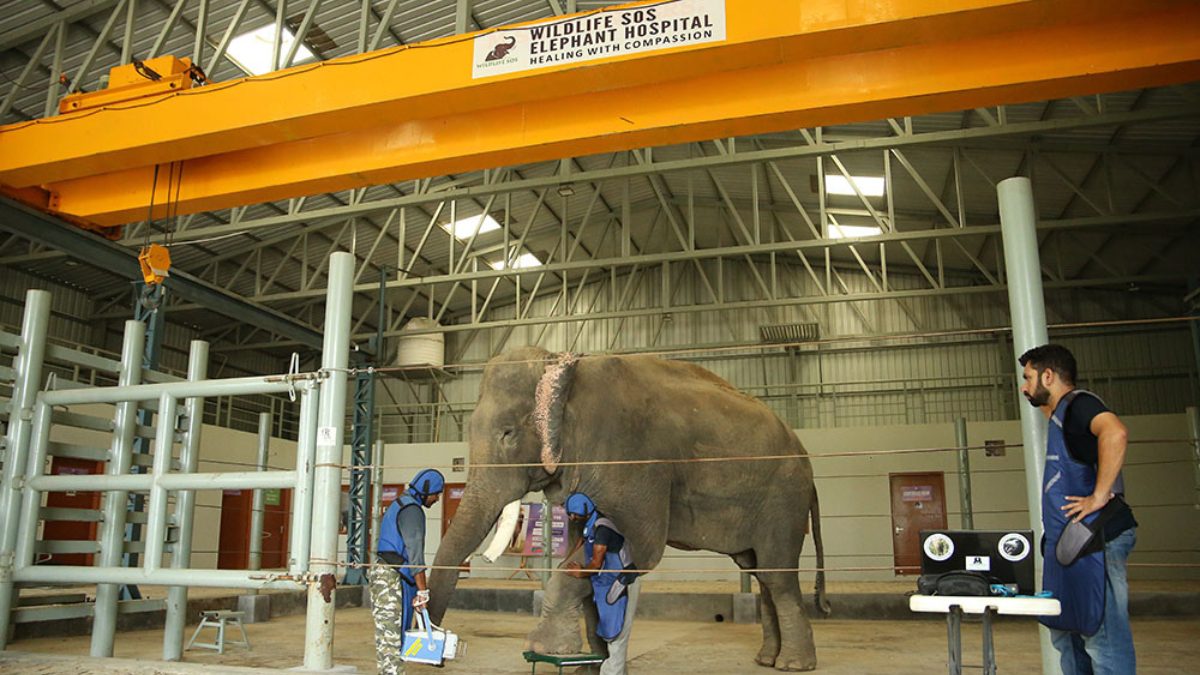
(765, 660)
(796, 662)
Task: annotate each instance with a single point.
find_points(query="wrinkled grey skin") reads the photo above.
(639, 407)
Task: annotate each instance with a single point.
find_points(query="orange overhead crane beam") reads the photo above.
(425, 110)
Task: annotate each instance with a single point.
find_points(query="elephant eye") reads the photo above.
(507, 435)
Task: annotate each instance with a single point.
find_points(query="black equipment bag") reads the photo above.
(958, 582)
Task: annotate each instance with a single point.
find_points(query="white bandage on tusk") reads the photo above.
(504, 531)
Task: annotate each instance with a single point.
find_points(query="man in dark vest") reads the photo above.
(1089, 529)
(606, 555)
(398, 585)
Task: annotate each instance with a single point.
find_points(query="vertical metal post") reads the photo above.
(112, 529)
(185, 506)
(277, 45)
(56, 69)
(331, 417)
(201, 29)
(28, 374)
(256, 508)
(39, 444)
(376, 496)
(156, 512)
(1018, 227)
(547, 540)
(1193, 414)
(302, 500)
(964, 474)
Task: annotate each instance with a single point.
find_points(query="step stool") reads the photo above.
(561, 661)
(218, 618)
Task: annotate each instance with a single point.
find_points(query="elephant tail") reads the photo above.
(822, 601)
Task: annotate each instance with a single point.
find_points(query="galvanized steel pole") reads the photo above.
(112, 530)
(185, 506)
(376, 498)
(256, 508)
(1018, 226)
(331, 420)
(302, 500)
(156, 512)
(964, 474)
(28, 374)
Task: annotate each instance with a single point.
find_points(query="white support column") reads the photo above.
(1018, 226)
(156, 511)
(302, 500)
(112, 530)
(28, 369)
(331, 421)
(185, 506)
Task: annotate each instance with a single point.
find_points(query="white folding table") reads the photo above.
(954, 606)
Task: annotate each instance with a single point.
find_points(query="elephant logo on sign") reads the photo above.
(501, 50)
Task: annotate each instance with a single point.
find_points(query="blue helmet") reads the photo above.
(427, 482)
(579, 504)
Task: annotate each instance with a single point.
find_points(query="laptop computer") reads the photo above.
(1004, 556)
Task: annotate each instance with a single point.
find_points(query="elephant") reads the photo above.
(560, 423)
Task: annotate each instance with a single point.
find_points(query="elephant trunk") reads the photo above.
(476, 514)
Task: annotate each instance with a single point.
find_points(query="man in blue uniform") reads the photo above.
(615, 593)
(398, 585)
(1082, 483)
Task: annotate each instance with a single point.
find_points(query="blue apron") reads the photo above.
(391, 541)
(608, 592)
(1080, 587)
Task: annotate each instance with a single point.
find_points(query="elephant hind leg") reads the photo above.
(770, 644)
(796, 649)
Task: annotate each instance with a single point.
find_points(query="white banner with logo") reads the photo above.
(676, 23)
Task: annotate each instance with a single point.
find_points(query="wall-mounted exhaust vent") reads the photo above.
(789, 332)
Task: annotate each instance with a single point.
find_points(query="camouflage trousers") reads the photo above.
(387, 606)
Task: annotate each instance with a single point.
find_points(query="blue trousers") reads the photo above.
(1110, 651)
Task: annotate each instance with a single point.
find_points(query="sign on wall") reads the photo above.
(534, 541)
(597, 35)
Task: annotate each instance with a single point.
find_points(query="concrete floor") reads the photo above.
(916, 647)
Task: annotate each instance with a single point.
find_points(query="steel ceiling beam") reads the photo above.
(92, 250)
(270, 139)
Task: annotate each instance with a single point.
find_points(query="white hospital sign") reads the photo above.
(598, 35)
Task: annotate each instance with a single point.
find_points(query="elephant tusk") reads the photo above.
(505, 527)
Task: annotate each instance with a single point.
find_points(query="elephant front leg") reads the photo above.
(564, 602)
(770, 625)
(797, 650)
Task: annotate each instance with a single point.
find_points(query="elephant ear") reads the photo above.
(551, 400)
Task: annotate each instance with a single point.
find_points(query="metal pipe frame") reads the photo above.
(302, 498)
(76, 574)
(233, 480)
(185, 507)
(964, 474)
(256, 507)
(164, 450)
(112, 528)
(241, 386)
(331, 421)
(28, 371)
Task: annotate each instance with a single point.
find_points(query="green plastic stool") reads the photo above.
(561, 661)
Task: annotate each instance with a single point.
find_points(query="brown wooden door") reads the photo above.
(72, 530)
(918, 503)
(234, 546)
